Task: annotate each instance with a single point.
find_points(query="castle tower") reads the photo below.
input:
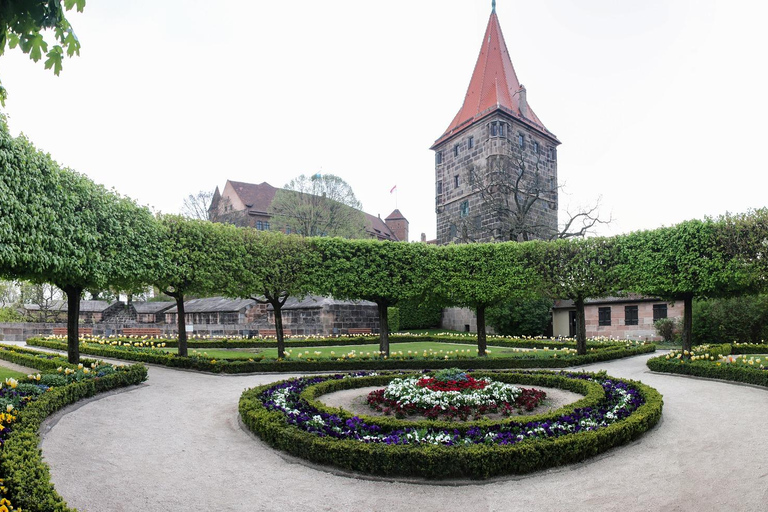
(496, 164)
(398, 224)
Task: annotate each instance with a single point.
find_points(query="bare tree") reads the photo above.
(196, 205)
(520, 198)
(320, 205)
(46, 299)
(204, 206)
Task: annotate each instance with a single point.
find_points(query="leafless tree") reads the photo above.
(200, 206)
(196, 205)
(518, 195)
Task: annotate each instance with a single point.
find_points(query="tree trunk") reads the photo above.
(482, 340)
(279, 329)
(581, 327)
(687, 321)
(383, 329)
(74, 294)
(181, 323)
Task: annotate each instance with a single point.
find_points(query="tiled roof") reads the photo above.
(145, 308)
(317, 302)
(214, 305)
(86, 306)
(494, 86)
(395, 215)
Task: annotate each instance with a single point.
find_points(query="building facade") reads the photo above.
(496, 164)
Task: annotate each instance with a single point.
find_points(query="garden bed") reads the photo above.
(25, 476)
(715, 362)
(148, 353)
(291, 417)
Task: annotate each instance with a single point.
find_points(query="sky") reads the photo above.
(660, 105)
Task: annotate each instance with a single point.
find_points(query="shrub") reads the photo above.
(666, 328)
(393, 315)
(738, 319)
(419, 314)
(521, 317)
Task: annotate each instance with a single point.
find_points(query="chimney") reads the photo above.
(523, 101)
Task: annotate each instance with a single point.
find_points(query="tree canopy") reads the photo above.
(23, 24)
(318, 205)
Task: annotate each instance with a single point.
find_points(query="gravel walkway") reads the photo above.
(175, 444)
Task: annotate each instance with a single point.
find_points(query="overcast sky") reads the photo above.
(661, 105)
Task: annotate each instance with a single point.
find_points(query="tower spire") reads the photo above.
(493, 5)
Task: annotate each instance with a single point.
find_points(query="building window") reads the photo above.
(259, 225)
(439, 187)
(439, 157)
(452, 232)
(456, 181)
(521, 140)
(456, 150)
(494, 129)
(659, 311)
(630, 315)
(266, 225)
(501, 129)
(464, 209)
(603, 316)
(551, 153)
(535, 147)
(470, 142)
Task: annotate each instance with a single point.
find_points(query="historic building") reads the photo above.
(252, 202)
(496, 164)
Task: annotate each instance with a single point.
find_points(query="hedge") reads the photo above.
(474, 461)
(606, 353)
(710, 369)
(25, 475)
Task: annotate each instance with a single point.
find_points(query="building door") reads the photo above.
(571, 324)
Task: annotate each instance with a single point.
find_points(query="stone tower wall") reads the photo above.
(478, 222)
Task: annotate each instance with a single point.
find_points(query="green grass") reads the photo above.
(8, 373)
(416, 349)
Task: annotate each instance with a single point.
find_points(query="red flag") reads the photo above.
(393, 189)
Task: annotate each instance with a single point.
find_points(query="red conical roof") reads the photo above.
(494, 86)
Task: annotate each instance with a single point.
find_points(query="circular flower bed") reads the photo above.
(452, 394)
(287, 416)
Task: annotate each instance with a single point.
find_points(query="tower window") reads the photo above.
(440, 187)
(456, 181)
(551, 153)
(535, 147)
(494, 130)
(521, 140)
(439, 157)
(470, 142)
(456, 150)
(452, 232)
(604, 316)
(464, 209)
(501, 129)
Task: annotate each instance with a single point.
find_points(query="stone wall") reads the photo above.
(479, 222)
(644, 330)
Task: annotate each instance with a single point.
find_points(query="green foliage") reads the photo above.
(736, 319)
(437, 462)
(10, 315)
(711, 369)
(521, 317)
(318, 205)
(419, 313)
(666, 328)
(393, 315)
(23, 23)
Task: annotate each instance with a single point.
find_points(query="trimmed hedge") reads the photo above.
(474, 461)
(25, 475)
(606, 353)
(710, 369)
(749, 348)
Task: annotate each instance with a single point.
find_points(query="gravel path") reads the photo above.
(175, 444)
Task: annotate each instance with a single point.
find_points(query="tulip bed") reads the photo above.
(148, 351)
(24, 476)
(289, 416)
(716, 362)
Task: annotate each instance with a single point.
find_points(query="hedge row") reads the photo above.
(749, 348)
(154, 356)
(710, 369)
(363, 340)
(36, 359)
(438, 461)
(25, 475)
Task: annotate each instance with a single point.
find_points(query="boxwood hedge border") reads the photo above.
(605, 353)
(25, 475)
(441, 462)
(711, 369)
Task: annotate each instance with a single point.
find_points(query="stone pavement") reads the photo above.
(175, 444)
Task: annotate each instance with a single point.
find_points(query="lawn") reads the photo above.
(8, 373)
(421, 348)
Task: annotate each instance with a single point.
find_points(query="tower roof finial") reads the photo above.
(493, 5)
